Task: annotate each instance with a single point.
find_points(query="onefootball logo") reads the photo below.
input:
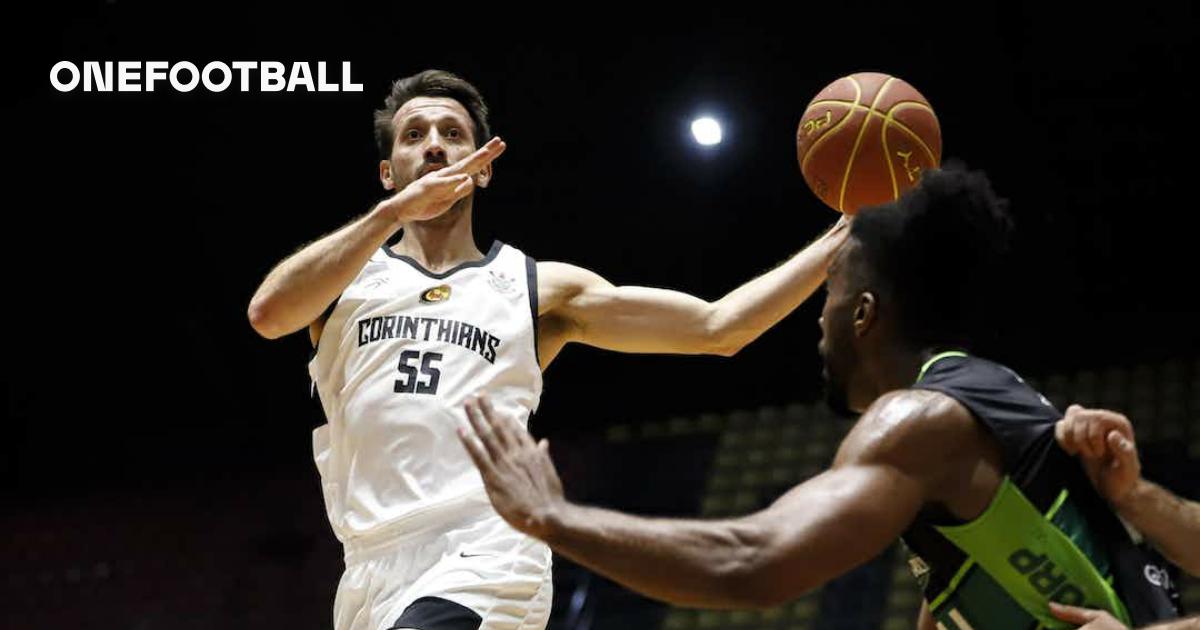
(185, 76)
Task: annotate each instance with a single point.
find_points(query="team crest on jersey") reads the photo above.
(501, 282)
(440, 293)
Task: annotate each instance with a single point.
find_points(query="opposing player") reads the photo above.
(954, 454)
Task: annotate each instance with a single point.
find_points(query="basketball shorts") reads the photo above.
(476, 574)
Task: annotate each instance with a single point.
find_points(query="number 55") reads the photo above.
(410, 381)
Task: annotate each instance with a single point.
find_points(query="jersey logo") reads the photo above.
(917, 565)
(1157, 576)
(1040, 571)
(377, 282)
(436, 294)
(501, 282)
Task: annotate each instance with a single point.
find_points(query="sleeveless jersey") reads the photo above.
(1045, 536)
(399, 354)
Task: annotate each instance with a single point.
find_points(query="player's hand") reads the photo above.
(1086, 619)
(517, 472)
(1103, 440)
(835, 238)
(841, 229)
(436, 191)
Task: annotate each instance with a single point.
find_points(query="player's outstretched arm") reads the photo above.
(1104, 442)
(1171, 522)
(1086, 619)
(817, 531)
(298, 290)
(646, 320)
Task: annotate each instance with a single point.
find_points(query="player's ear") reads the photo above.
(865, 313)
(385, 175)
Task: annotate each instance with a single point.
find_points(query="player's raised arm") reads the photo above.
(589, 309)
(298, 290)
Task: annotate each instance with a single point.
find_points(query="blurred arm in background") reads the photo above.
(1104, 442)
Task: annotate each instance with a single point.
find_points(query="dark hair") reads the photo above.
(937, 253)
(434, 83)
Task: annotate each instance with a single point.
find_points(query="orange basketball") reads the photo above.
(865, 139)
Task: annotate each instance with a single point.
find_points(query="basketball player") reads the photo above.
(405, 332)
(954, 454)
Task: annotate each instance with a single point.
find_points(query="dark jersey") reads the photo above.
(1045, 536)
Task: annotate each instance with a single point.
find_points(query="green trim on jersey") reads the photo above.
(1058, 503)
(1032, 559)
(980, 603)
(938, 357)
(950, 588)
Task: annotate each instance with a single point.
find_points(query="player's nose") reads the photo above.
(435, 147)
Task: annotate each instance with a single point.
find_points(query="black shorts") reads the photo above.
(435, 613)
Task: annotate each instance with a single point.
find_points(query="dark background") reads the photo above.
(146, 420)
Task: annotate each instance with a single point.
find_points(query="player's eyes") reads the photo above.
(413, 134)
(453, 133)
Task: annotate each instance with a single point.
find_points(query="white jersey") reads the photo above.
(399, 355)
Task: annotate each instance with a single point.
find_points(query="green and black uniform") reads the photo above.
(1045, 536)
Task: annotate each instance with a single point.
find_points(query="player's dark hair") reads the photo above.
(937, 254)
(431, 83)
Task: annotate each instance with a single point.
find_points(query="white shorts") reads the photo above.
(478, 573)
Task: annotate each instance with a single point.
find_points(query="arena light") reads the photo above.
(707, 131)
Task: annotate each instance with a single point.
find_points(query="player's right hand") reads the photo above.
(1103, 440)
(436, 191)
(517, 472)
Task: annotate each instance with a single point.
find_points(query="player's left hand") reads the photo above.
(1085, 618)
(519, 476)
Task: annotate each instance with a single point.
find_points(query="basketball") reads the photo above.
(865, 139)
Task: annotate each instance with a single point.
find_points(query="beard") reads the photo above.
(449, 216)
(836, 396)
